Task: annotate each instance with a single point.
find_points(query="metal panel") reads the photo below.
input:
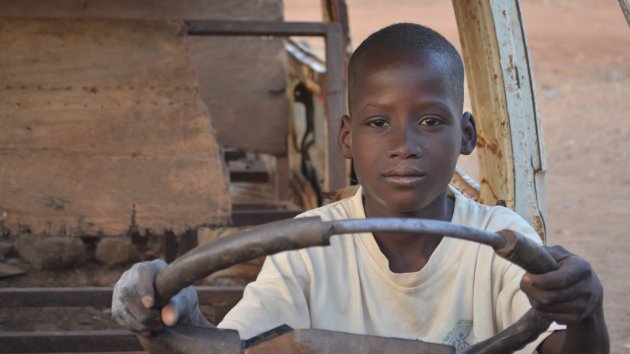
(242, 80)
(511, 153)
(337, 168)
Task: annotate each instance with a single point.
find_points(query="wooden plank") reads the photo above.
(270, 10)
(87, 139)
(512, 159)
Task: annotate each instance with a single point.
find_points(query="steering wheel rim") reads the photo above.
(307, 232)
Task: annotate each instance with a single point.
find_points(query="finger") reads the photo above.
(578, 290)
(137, 321)
(558, 253)
(145, 274)
(170, 314)
(149, 321)
(125, 302)
(179, 306)
(134, 315)
(572, 271)
(128, 307)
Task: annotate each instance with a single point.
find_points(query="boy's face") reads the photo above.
(405, 136)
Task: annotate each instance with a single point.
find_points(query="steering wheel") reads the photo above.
(312, 231)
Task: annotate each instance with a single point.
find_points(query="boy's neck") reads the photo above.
(410, 253)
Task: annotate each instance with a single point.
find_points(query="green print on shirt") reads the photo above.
(461, 336)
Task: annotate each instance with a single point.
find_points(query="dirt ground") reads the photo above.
(581, 55)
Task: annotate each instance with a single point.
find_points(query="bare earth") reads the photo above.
(581, 55)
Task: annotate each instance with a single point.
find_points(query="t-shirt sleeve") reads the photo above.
(277, 297)
(279, 294)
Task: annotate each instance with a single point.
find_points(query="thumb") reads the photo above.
(145, 277)
(170, 314)
(179, 306)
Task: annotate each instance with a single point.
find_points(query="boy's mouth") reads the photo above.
(404, 177)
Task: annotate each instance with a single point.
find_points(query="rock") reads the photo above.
(51, 252)
(116, 251)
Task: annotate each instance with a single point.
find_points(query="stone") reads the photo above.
(116, 251)
(51, 252)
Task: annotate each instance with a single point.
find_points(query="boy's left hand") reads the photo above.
(567, 295)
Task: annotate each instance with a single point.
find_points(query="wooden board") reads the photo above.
(241, 79)
(101, 122)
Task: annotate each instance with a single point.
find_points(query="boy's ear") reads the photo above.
(469, 134)
(345, 137)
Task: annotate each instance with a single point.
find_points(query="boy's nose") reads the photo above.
(404, 145)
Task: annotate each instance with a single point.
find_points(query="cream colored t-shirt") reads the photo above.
(464, 294)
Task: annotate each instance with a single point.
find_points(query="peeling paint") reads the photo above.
(492, 146)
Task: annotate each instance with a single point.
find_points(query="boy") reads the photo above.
(404, 133)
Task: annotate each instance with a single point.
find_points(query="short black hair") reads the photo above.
(410, 40)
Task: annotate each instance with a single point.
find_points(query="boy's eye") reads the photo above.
(430, 121)
(378, 123)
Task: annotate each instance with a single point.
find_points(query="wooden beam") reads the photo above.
(270, 10)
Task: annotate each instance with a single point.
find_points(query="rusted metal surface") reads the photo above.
(100, 296)
(337, 11)
(185, 339)
(322, 341)
(69, 341)
(465, 184)
(337, 171)
(512, 160)
(525, 330)
(88, 140)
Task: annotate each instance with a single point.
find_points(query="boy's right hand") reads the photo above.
(134, 296)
